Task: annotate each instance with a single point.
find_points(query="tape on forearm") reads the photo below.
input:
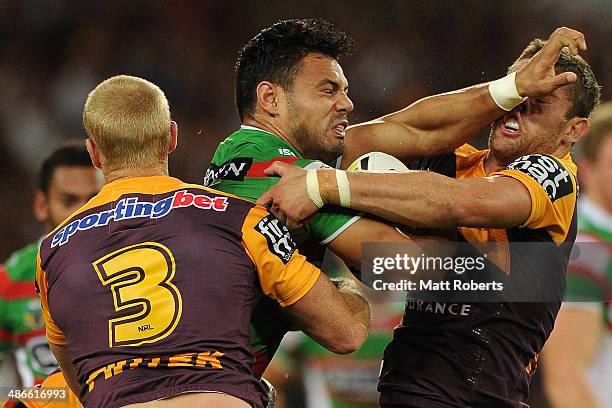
(349, 286)
(334, 187)
(504, 92)
(344, 188)
(312, 187)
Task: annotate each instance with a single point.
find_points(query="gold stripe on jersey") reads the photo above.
(533, 364)
(285, 282)
(54, 333)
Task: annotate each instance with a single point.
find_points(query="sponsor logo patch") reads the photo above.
(235, 169)
(131, 208)
(278, 237)
(548, 172)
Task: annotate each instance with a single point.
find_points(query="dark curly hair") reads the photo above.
(276, 53)
(584, 93)
(72, 153)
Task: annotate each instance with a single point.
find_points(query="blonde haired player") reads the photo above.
(162, 320)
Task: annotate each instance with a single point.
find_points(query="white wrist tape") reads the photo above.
(344, 188)
(312, 187)
(504, 92)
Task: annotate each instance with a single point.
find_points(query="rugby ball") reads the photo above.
(377, 162)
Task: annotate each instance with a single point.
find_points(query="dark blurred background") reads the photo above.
(54, 52)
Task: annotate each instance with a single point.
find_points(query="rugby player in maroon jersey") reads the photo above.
(485, 358)
(163, 273)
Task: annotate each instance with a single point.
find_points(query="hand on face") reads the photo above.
(537, 77)
(288, 200)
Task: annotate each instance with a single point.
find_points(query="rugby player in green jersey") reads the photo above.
(275, 128)
(292, 99)
(583, 377)
(67, 180)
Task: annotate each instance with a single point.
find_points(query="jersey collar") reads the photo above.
(278, 139)
(248, 127)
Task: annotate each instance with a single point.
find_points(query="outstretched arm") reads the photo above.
(417, 199)
(439, 124)
(427, 199)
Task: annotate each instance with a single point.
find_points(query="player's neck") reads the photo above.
(492, 163)
(270, 127)
(160, 169)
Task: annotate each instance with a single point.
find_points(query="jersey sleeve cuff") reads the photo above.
(341, 229)
(310, 278)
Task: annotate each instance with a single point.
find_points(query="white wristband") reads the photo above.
(344, 188)
(312, 187)
(504, 92)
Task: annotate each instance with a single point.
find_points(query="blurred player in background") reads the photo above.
(485, 355)
(164, 273)
(577, 365)
(67, 180)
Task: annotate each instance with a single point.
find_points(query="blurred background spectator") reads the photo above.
(55, 52)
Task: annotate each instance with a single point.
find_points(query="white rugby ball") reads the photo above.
(378, 162)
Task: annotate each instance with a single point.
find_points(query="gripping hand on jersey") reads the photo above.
(288, 200)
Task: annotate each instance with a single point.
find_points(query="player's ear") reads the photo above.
(574, 130)
(94, 153)
(173, 137)
(39, 207)
(268, 97)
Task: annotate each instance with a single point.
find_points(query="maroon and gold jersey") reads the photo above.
(150, 285)
(476, 354)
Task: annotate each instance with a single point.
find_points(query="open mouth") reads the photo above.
(510, 126)
(340, 127)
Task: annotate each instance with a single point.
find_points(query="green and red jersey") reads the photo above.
(590, 276)
(238, 168)
(589, 286)
(22, 328)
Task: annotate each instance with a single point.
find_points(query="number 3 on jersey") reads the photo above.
(140, 279)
